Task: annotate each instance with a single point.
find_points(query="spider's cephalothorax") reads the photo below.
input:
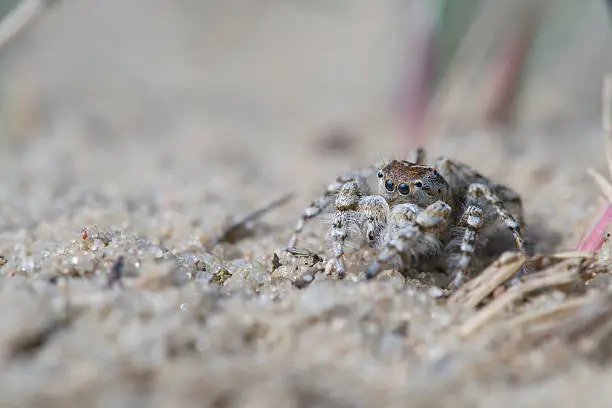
(420, 212)
(406, 182)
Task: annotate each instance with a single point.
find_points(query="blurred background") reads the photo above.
(268, 63)
(141, 127)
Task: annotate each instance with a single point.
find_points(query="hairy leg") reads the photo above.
(411, 233)
(460, 176)
(480, 190)
(367, 213)
(473, 221)
(324, 201)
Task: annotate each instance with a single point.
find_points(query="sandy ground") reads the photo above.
(152, 155)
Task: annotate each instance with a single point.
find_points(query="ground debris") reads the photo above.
(276, 263)
(242, 229)
(476, 290)
(556, 276)
(221, 276)
(312, 258)
(305, 279)
(116, 272)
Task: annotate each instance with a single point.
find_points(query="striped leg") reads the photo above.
(339, 234)
(314, 210)
(473, 220)
(322, 203)
(347, 203)
(476, 190)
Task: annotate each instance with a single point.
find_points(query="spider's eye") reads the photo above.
(379, 174)
(403, 189)
(418, 184)
(389, 185)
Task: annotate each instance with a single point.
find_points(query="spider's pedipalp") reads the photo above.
(412, 231)
(433, 215)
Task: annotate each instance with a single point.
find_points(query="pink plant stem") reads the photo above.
(594, 237)
(507, 73)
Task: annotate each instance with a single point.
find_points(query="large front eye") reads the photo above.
(389, 185)
(403, 189)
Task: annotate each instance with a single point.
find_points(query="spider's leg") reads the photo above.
(460, 174)
(473, 220)
(322, 203)
(339, 234)
(477, 190)
(313, 210)
(353, 207)
(413, 235)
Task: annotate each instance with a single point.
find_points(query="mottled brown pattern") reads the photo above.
(411, 173)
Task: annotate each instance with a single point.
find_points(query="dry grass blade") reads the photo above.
(475, 290)
(587, 319)
(22, 15)
(572, 255)
(560, 274)
(603, 184)
(588, 326)
(539, 316)
(596, 342)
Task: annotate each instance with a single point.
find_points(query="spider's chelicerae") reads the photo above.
(420, 213)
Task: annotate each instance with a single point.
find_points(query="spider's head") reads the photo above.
(405, 182)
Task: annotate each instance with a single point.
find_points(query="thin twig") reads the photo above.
(239, 229)
(560, 274)
(475, 290)
(586, 319)
(604, 185)
(542, 315)
(572, 254)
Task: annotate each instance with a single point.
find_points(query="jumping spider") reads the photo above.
(419, 213)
